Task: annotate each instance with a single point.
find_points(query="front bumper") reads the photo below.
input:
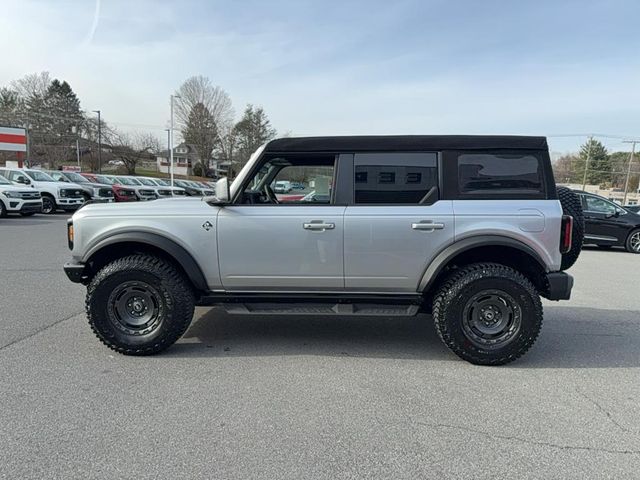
(76, 272)
(102, 200)
(31, 207)
(16, 205)
(69, 204)
(559, 285)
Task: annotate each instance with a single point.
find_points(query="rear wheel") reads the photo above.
(48, 204)
(487, 314)
(139, 305)
(633, 242)
(571, 206)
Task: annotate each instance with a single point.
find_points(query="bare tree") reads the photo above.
(34, 85)
(134, 148)
(200, 90)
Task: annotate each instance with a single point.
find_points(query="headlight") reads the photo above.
(10, 194)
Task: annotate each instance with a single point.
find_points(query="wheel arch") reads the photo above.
(125, 243)
(486, 248)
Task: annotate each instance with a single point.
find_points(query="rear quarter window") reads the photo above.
(499, 175)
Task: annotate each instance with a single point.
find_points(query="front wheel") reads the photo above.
(48, 205)
(633, 242)
(139, 304)
(487, 313)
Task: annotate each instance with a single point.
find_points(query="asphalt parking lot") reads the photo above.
(256, 397)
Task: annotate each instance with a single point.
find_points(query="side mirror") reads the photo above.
(223, 190)
(22, 179)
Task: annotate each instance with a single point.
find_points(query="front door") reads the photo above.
(602, 221)
(284, 241)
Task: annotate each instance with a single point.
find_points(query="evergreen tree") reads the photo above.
(201, 132)
(253, 129)
(599, 168)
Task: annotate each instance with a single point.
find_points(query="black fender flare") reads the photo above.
(456, 248)
(171, 248)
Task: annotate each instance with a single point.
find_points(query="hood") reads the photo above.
(166, 206)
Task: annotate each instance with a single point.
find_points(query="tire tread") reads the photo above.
(451, 288)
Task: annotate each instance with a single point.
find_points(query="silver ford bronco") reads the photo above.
(471, 229)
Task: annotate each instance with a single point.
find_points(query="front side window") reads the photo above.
(496, 173)
(599, 205)
(395, 178)
(292, 179)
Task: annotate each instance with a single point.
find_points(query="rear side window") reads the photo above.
(499, 174)
(394, 178)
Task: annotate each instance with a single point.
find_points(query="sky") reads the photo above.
(558, 68)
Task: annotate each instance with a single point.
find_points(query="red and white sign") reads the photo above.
(13, 139)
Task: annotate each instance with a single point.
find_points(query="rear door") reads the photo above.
(395, 223)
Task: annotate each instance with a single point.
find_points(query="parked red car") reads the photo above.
(121, 193)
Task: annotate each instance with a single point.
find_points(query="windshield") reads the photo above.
(38, 176)
(75, 177)
(105, 179)
(160, 181)
(126, 181)
(4, 181)
(146, 181)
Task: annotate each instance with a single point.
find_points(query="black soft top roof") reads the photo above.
(396, 143)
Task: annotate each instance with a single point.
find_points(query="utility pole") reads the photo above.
(171, 139)
(586, 165)
(626, 182)
(99, 142)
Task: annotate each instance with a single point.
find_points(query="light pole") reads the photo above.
(171, 139)
(99, 142)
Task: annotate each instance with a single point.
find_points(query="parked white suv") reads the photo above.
(25, 201)
(67, 197)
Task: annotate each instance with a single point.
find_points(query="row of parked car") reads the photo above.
(28, 191)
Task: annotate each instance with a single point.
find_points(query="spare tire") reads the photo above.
(571, 206)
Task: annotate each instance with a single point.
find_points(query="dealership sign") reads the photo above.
(13, 139)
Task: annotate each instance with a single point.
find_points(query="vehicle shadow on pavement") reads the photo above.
(218, 333)
(570, 338)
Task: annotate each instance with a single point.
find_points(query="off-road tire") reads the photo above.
(631, 239)
(170, 291)
(3, 210)
(48, 204)
(461, 287)
(571, 205)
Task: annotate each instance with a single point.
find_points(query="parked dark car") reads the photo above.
(608, 224)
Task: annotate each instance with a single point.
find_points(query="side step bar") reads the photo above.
(362, 309)
(315, 304)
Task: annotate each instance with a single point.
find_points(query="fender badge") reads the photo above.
(207, 225)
